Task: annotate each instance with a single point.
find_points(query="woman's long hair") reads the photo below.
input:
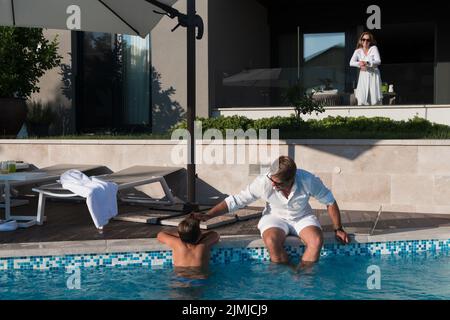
(371, 37)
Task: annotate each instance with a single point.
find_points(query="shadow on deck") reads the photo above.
(71, 221)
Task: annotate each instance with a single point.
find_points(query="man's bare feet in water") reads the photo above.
(305, 266)
(290, 264)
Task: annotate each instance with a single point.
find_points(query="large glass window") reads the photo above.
(114, 83)
(311, 43)
(323, 62)
(407, 60)
(136, 80)
(315, 61)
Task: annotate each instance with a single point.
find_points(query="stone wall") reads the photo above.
(399, 175)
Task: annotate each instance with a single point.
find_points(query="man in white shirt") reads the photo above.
(286, 191)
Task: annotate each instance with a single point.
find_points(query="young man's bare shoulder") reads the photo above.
(169, 239)
(209, 238)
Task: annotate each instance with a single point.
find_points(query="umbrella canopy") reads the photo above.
(133, 17)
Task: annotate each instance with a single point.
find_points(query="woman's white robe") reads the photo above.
(368, 91)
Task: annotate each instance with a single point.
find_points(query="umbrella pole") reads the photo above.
(191, 87)
(191, 21)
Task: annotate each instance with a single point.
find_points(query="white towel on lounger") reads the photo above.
(101, 196)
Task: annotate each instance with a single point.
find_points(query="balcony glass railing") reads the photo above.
(412, 83)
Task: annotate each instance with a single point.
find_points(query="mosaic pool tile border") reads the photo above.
(218, 255)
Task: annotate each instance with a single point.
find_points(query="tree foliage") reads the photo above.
(25, 55)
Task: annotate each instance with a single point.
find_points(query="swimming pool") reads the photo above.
(414, 275)
(418, 276)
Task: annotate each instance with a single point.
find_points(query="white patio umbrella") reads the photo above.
(133, 17)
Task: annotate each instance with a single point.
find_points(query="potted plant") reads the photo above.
(39, 119)
(302, 102)
(25, 55)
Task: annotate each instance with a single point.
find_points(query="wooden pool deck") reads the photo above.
(71, 221)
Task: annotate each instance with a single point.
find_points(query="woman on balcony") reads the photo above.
(367, 58)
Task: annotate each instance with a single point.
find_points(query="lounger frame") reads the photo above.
(55, 190)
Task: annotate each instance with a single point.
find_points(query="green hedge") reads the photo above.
(332, 127)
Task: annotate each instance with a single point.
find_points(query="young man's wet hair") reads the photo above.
(189, 230)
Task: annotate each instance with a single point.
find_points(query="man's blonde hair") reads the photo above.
(284, 168)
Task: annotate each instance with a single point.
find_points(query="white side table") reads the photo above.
(19, 176)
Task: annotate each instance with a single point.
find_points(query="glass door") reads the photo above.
(323, 61)
(314, 61)
(136, 81)
(114, 83)
(98, 81)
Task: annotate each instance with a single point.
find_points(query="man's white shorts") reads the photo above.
(289, 227)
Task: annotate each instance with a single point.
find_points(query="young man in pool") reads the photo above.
(286, 191)
(191, 248)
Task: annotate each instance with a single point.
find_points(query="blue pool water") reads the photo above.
(415, 276)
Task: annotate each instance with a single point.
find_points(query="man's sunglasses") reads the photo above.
(278, 184)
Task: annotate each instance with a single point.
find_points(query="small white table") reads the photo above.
(19, 176)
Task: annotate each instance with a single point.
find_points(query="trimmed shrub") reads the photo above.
(332, 127)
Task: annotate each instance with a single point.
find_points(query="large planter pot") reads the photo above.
(13, 113)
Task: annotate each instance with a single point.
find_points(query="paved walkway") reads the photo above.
(70, 226)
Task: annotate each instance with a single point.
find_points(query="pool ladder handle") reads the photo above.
(376, 221)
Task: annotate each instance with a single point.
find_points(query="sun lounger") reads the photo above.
(52, 173)
(125, 179)
(33, 178)
(44, 175)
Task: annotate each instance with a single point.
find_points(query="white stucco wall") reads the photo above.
(169, 59)
(51, 83)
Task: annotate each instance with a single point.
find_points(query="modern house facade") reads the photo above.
(252, 50)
